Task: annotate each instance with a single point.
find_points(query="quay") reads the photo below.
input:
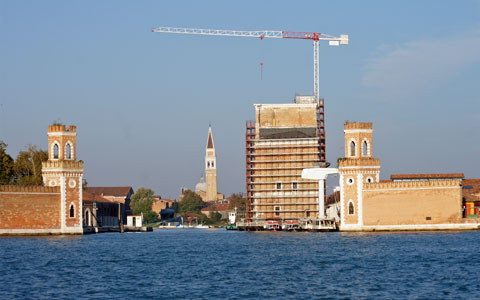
(315, 225)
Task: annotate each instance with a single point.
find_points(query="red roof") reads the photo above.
(116, 191)
(471, 189)
(192, 215)
(428, 176)
(94, 197)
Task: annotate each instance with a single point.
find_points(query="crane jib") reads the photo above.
(315, 36)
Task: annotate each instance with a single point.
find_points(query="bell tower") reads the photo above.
(61, 169)
(211, 168)
(356, 169)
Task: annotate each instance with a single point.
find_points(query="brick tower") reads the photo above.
(64, 171)
(211, 168)
(356, 169)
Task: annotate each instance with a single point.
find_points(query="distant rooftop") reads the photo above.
(116, 191)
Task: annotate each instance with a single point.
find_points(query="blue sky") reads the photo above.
(143, 101)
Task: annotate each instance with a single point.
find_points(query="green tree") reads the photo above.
(141, 203)
(28, 166)
(215, 217)
(191, 203)
(238, 201)
(6, 165)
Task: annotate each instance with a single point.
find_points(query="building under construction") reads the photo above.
(283, 140)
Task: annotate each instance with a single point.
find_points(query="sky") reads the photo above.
(143, 101)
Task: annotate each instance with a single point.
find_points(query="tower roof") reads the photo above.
(210, 139)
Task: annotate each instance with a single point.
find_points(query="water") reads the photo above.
(213, 264)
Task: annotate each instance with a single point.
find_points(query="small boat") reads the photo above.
(231, 227)
(200, 226)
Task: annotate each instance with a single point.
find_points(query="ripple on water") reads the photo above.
(206, 264)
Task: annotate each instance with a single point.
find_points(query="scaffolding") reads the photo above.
(275, 191)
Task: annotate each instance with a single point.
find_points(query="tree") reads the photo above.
(141, 203)
(215, 217)
(6, 165)
(28, 166)
(191, 203)
(238, 201)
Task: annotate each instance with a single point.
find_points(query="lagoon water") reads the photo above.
(220, 264)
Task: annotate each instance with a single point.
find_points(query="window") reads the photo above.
(294, 186)
(87, 218)
(352, 148)
(365, 148)
(68, 152)
(279, 187)
(208, 164)
(277, 211)
(350, 181)
(72, 211)
(55, 151)
(369, 179)
(213, 164)
(307, 213)
(351, 208)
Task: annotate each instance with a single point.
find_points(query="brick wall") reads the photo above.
(29, 208)
(421, 202)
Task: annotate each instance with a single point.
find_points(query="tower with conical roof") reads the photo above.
(211, 168)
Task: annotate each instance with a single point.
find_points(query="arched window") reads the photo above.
(72, 211)
(365, 148)
(208, 164)
(213, 164)
(68, 152)
(352, 148)
(87, 217)
(351, 209)
(55, 151)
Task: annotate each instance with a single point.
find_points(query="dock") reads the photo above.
(315, 225)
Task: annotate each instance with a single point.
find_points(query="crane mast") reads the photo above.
(315, 36)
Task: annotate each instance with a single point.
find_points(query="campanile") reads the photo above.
(211, 168)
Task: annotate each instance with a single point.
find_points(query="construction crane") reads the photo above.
(315, 36)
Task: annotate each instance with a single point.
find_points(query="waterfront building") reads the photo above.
(405, 202)
(135, 221)
(55, 208)
(220, 207)
(117, 194)
(471, 198)
(282, 141)
(61, 206)
(101, 213)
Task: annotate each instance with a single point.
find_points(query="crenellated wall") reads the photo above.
(357, 125)
(29, 189)
(427, 202)
(359, 162)
(412, 203)
(400, 185)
